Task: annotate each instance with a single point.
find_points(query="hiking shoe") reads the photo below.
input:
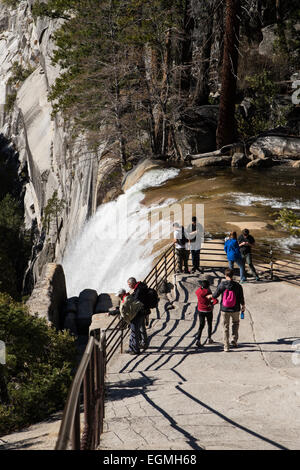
(199, 345)
(186, 271)
(226, 349)
(234, 344)
(242, 282)
(257, 278)
(144, 346)
(210, 341)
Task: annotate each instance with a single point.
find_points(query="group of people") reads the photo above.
(186, 241)
(133, 309)
(239, 251)
(133, 304)
(232, 303)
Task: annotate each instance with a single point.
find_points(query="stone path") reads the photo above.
(174, 396)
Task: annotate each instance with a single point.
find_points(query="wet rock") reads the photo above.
(49, 295)
(212, 161)
(260, 163)
(285, 147)
(109, 180)
(134, 175)
(239, 160)
(86, 308)
(106, 302)
(196, 129)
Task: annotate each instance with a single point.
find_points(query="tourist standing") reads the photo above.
(181, 248)
(139, 291)
(195, 231)
(246, 241)
(231, 304)
(233, 253)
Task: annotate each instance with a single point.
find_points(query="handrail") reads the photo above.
(91, 370)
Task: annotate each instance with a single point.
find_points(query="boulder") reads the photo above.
(109, 180)
(134, 175)
(106, 302)
(279, 146)
(212, 161)
(49, 295)
(196, 129)
(70, 323)
(86, 308)
(260, 163)
(296, 164)
(239, 160)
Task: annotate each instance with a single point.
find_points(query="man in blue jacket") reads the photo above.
(232, 250)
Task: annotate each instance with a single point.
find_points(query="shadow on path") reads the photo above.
(234, 423)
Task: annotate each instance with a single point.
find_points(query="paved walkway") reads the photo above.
(174, 396)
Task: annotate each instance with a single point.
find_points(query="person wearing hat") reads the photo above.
(204, 310)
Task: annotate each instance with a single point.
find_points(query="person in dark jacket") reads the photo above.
(232, 290)
(204, 311)
(233, 253)
(139, 292)
(246, 241)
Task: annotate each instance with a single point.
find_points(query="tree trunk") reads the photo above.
(226, 130)
(187, 49)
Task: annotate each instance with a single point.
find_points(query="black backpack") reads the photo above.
(183, 240)
(152, 299)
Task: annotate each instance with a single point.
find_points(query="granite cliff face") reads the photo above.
(52, 159)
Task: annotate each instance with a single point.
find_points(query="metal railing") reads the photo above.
(88, 383)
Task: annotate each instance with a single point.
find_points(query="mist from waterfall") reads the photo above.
(115, 243)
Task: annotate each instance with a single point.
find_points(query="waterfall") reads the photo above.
(115, 243)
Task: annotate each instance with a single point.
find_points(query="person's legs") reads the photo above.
(235, 327)
(231, 264)
(201, 326)
(134, 340)
(186, 256)
(144, 342)
(241, 265)
(193, 253)
(197, 260)
(209, 318)
(179, 253)
(252, 268)
(225, 322)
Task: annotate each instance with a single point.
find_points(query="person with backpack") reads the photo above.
(231, 304)
(246, 241)
(132, 312)
(204, 311)
(139, 291)
(233, 253)
(181, 248)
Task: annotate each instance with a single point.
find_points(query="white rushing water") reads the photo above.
(115, 244)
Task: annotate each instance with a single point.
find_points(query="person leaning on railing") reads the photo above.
(132, 312)
(139, 291)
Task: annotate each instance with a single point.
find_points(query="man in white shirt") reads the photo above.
(181, 247)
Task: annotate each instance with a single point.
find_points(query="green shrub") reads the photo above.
(38, 370)
(289, 221)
